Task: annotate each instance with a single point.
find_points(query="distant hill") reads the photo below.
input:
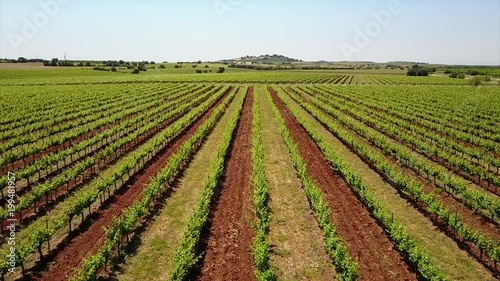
(355, 62)
(262, 59)
(406, 62)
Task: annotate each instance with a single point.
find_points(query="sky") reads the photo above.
(444, 31)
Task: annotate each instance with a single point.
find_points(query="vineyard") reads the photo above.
(273, 175)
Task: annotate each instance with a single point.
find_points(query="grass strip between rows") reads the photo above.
(125, 224)
(397, 233)
(407, 185)
(85, 199)
(186, 256)
(345, 267)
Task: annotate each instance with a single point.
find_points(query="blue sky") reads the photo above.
(453, 32)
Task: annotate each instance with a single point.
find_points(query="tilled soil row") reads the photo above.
(365, 239)
(90, 240)
(228, 255)
(470, 218)
(456, 170)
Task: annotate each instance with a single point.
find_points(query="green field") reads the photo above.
(169, 174)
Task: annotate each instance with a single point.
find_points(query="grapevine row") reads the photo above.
(260, 249)
(345, 267)
(125, 224)
(397, 233)
(410, 188)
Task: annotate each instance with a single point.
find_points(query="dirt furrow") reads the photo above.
(472, 218)
(228, 254)
(366, 241)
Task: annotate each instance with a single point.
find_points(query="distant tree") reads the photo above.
(473, 72)
(423, 72)
(417, 71)
(80, 63)
(22, 60)
(487, 78)
(411, 72)
(142, 67)
(177, 66)
(121, 62)
(453, 75)
(199, 71)
(461, 76)
(113, 69)
(194, 65)
(152, 62)
(65, 63)
(162, 66)
(199, 62)
(447, 71)
(475, 81)
(221, 70)
(206, 66)
(135, 71)
(88, 63)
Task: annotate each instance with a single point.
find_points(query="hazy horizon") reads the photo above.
(436, 32)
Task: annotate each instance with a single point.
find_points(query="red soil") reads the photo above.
(483, 183)
(228, 254)
(90, 240)
(470, 218)
(366, 241)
